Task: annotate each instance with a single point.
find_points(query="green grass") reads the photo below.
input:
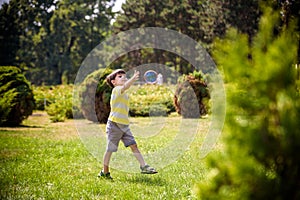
(44, 160)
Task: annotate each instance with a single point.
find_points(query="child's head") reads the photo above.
(111, 77)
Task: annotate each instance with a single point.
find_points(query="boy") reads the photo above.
(117, 127)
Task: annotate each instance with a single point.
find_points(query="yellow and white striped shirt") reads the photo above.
(119, 104)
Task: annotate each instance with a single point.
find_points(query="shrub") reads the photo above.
(16, 97)
(60, 103)
(191, 96)
(56, 100)
(44, 96)
(98, 100)
(151, 100)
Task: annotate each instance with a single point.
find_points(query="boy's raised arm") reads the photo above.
(130, 81)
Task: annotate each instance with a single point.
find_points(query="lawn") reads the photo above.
(44, 160)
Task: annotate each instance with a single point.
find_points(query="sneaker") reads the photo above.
(103, 175)
(148, 170)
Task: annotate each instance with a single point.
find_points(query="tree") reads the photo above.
(201, 20)
(49, 39)
(16, 97)
(9, 34)
(262, 134)
(243, 15)
(34, 26)
(290, 11)
(75, 29)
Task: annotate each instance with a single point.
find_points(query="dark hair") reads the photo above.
(113, 75)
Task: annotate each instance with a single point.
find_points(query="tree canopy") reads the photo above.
(49, 39)
(201, 20)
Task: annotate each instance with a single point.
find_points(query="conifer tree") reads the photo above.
(16, 96)
(262, 137)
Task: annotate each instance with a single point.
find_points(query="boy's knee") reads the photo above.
(134, 147)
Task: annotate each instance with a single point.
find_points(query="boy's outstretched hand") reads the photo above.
(129, 82)
(136, 75)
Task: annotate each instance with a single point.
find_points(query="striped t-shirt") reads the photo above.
(119, 104)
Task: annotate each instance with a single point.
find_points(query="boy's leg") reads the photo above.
(129, 140)
(106, 160)
(114, 135)
(136, 152)
(104, 173)
(145, 169)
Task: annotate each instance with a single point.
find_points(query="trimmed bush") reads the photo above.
(98, 101)
(16, 96)
(191, 96)
(151, 100)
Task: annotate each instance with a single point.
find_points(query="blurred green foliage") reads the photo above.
(262, 136)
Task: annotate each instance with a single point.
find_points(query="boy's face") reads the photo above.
(119, 80)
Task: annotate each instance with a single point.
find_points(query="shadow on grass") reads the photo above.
(29, 126)
(20, 126)
(147, 180)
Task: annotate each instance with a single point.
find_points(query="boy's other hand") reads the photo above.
(136, 75)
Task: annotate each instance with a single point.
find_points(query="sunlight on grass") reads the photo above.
(46, 160)
(162, 140)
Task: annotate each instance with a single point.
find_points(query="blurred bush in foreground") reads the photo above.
(262, 135)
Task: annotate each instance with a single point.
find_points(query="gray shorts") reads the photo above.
(116, 132)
